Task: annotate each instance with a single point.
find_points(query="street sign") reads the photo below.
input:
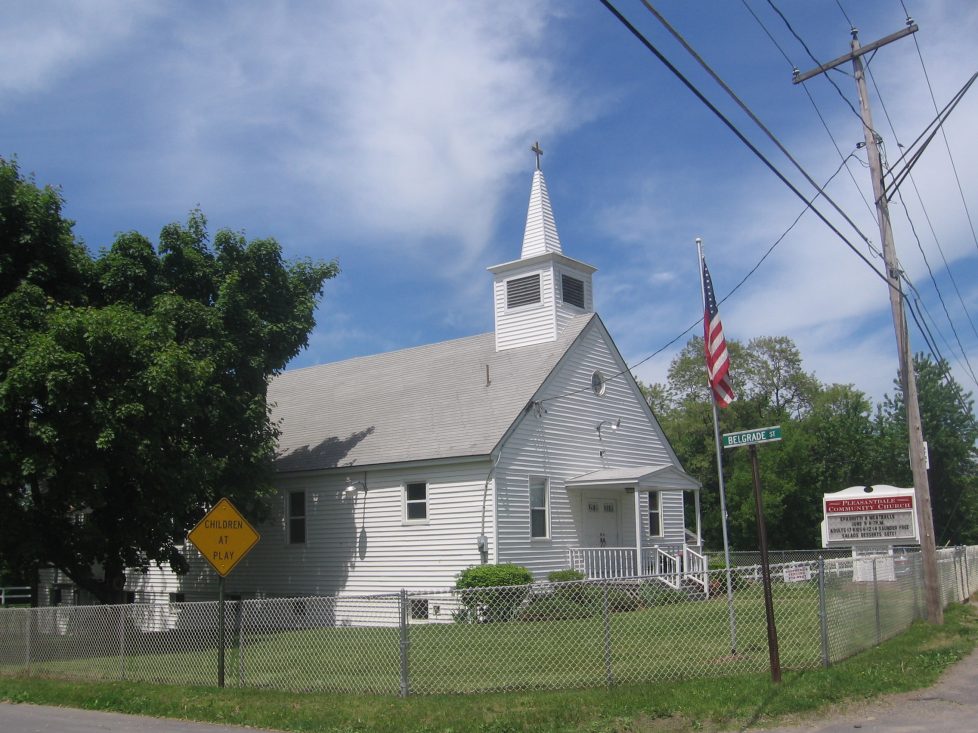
(752, 437)
(223, 537)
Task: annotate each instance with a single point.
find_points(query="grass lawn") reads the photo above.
(667, 642)
(911, 660)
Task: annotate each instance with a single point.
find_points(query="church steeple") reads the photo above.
(536, 295)
(540, 234)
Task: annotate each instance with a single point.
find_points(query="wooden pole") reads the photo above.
(772, 631)
(908, 380)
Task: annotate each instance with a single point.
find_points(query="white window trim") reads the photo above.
(404, 503)
(658, 495)
(546, 495)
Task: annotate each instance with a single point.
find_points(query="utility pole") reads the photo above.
(908, 380)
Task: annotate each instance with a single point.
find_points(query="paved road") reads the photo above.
(950, 706)
(44, 719)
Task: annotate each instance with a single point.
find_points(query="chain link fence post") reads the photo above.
(239, 638)
(122, 642)
(30, 620)
(967, 575)
(405, 643)
(876, 603)
(959, 561)
(608, 671)
(917, 580)
(823, 616)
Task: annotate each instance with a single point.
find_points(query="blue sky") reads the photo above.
(395, 137)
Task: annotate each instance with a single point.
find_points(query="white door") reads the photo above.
(601, 522)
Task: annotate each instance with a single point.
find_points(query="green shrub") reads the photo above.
(487, 576)
(492, 592)
(563, 576)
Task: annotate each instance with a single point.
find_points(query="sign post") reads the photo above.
(751, 438)
(223, 537)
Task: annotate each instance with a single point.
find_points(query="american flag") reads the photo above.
(717, 360)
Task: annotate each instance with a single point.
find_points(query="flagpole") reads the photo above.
(723, 491)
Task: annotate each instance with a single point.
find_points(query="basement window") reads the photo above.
(523, 291)
(419, 609)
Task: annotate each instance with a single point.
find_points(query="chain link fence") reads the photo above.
(546, 635)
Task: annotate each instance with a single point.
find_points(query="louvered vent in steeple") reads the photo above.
(538, 294)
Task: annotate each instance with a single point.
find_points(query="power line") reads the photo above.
(913, 229)
(940, 297)
(747, 110)
(947, 144)
(733, 128)
(694, 324)
(818, 112)
(817, 62)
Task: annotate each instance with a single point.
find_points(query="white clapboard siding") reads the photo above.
(359, 543)
(566, 312)
(561, 442)
(527, 324)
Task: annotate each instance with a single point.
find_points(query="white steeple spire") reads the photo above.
(540, 235)
(536, 296)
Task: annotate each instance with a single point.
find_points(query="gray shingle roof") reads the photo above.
(421, 403)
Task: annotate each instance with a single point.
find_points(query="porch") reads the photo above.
(674, 565)
(631, 523)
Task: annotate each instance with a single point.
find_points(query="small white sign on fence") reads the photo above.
(796, 573)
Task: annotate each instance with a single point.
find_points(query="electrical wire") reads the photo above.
(821, 118)
(740, 135)
(947, 144)
(923, 254)
(694, 324)
(930, 224)
(937, 123)
(818, 63)
(747, 110)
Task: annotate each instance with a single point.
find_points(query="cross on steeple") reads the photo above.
(538, 151)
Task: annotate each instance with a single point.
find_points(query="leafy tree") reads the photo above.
(951, 431)
(134, 383)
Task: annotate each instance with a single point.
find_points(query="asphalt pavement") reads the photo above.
(46, 719)
(950, 706)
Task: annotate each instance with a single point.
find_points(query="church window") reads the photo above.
(573, 290)
(523, 291)
(297, 517)
(539, 507)
(416, 501)
(655, 514)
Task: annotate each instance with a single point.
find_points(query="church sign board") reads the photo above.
(869, 515)
(223, 537)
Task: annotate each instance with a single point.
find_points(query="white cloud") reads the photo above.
(44, 40)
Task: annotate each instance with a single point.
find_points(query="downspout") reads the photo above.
(482, 540)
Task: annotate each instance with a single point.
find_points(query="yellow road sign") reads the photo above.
(223, 537)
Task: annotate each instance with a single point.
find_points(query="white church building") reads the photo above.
(530, 445)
